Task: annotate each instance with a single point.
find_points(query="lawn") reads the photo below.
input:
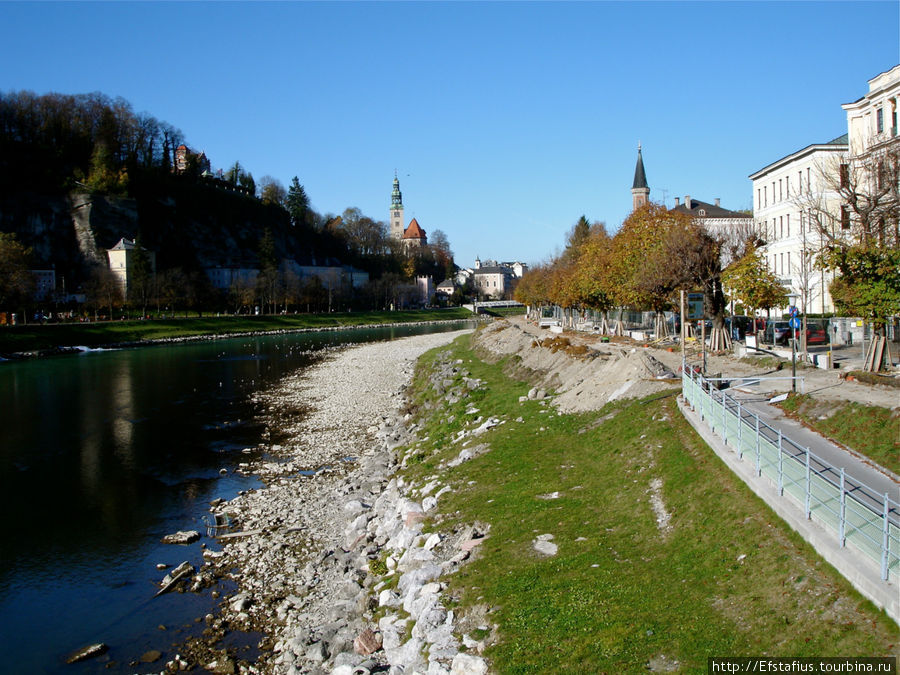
(37, 337)
(665, 558)
(870, 430)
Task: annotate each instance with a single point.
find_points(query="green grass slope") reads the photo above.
(665, 558)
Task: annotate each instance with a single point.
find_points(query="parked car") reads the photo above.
(816, 333)
(777, 333)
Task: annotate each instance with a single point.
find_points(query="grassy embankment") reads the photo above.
(726, 577)
(50, 336)
(870, 430)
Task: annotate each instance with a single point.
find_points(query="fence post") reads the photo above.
(842, 511)
(724, 419)
(885, 542)
(740, 431)
(808, 485)
(780, 467)
(693, 392)
(758, 467)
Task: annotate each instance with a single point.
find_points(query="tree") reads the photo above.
(241, 294)
(140, 277)
(103, 289)
(577, 236)
(856, 217)
(869, 281)
(592, 272)
(297, 203)
(443, 256)
(271, 191)
(752, 284)
(267, 280)
(16, 282)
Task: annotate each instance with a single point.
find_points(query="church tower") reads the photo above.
(640, 191)
(396, 210)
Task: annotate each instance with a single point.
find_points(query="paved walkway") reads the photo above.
(864, 574)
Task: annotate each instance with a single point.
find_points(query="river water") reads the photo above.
(103, 454)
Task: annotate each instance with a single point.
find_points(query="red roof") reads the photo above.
(414, 231)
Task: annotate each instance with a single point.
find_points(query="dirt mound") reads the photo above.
(586, 376)
(588, 372)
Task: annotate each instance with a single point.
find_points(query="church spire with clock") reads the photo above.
(396, 210)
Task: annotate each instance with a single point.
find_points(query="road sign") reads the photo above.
(694, 306)
(793, 310)
(795, 323)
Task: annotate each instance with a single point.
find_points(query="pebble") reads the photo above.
(305, 568)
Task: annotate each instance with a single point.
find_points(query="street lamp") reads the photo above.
(792, 298)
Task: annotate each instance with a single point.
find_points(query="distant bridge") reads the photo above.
(491, 304)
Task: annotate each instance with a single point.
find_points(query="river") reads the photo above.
(103, 454)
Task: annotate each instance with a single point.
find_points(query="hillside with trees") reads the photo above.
(80, 172)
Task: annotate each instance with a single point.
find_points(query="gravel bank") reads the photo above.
(314, 552)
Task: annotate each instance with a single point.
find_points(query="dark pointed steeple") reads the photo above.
(640, 191)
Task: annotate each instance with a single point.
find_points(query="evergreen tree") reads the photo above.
(297, 203)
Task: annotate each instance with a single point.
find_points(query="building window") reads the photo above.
(808, 183)
(789, 262)
(788, 218)
(845, 217)
(879, 120)
(845, 176)
(765, 196)
(702, 212)
(780, 195)
(758, 199)
(787, 185)
(781, 227)
(799, 182)
(781, 262)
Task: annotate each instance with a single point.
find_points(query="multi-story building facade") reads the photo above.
(870, 181)
(872, 119)
(792, 198)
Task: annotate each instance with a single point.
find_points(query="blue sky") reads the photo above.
(505, 121)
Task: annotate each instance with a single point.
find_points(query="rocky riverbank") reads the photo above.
(330, 558)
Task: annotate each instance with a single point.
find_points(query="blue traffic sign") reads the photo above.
(795, 323)
(793, 310)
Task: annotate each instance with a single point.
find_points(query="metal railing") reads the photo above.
(859, 516)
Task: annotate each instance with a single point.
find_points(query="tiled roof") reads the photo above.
(414, 231)
(710, 210)
(123, 245)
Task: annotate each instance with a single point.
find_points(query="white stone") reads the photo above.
(468, 664)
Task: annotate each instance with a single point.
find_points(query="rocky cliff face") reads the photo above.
(190, 226)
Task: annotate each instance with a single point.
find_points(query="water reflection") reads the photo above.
(101, 456)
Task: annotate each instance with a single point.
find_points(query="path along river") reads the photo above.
(103, 454)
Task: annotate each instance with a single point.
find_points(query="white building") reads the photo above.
(783, 193)
(121, 261)
(872, 120)
(874, 154)
(223, 277)
(730, 226)
(493, 281)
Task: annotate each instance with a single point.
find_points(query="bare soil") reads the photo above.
(587, 373)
